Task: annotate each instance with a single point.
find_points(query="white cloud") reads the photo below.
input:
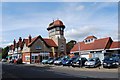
(5, 44)
(81, 7)
(78, 24)
(80, 33)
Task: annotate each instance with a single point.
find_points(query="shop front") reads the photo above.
(38, 57)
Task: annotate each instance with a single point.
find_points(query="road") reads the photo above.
(21, 71)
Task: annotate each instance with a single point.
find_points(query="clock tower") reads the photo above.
(56, 33)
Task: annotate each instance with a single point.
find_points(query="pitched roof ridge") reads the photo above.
(103, 38)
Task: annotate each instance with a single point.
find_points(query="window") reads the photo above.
(61, 29)
(57, 28)
(88, 40)
(91, 39)
(38, 47)
(27, 58)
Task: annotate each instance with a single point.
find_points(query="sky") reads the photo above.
(82, 19)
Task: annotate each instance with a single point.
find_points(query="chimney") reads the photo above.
(14, 42)
(20, 39)
(30, 38)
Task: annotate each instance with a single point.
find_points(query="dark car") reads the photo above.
(93, 62)
(79, 62)
(116, 55)
(68, 62)
(111, 62)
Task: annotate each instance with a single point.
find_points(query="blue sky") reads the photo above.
(19, 19)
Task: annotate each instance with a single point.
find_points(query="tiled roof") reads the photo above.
(50, 42)
(33, 40)
(115, 44)
(97, 44)
(56, 23)
(26, 41)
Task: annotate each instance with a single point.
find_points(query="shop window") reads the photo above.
(27, 58)
(36, 57)
(32, 57)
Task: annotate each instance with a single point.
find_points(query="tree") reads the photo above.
(70, 45)
(5, 52)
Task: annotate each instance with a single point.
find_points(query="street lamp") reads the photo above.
(79, 53)
(79, 49)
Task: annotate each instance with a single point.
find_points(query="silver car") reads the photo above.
(93, 62)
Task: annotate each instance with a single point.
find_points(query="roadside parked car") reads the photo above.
(68, 62)
(59, 61)
(111, 62)
(65, 61)
(79, 62)
(93, 62)
(11, 61)
(116, 55)
(50, 61)
(44, 61)
(4, 60)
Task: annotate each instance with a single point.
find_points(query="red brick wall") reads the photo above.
(23, 57)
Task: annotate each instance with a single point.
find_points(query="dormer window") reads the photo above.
(91, 39)
(88, 41)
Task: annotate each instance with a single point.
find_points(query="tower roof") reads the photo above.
(56, 23)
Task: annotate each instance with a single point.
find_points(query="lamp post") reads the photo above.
(79, 54)
(79, 49)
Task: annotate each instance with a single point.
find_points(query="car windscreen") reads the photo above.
(76, 59)
(110, 59)
(50, 58)
(73, 58)
(57, 58)
(91, 59)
